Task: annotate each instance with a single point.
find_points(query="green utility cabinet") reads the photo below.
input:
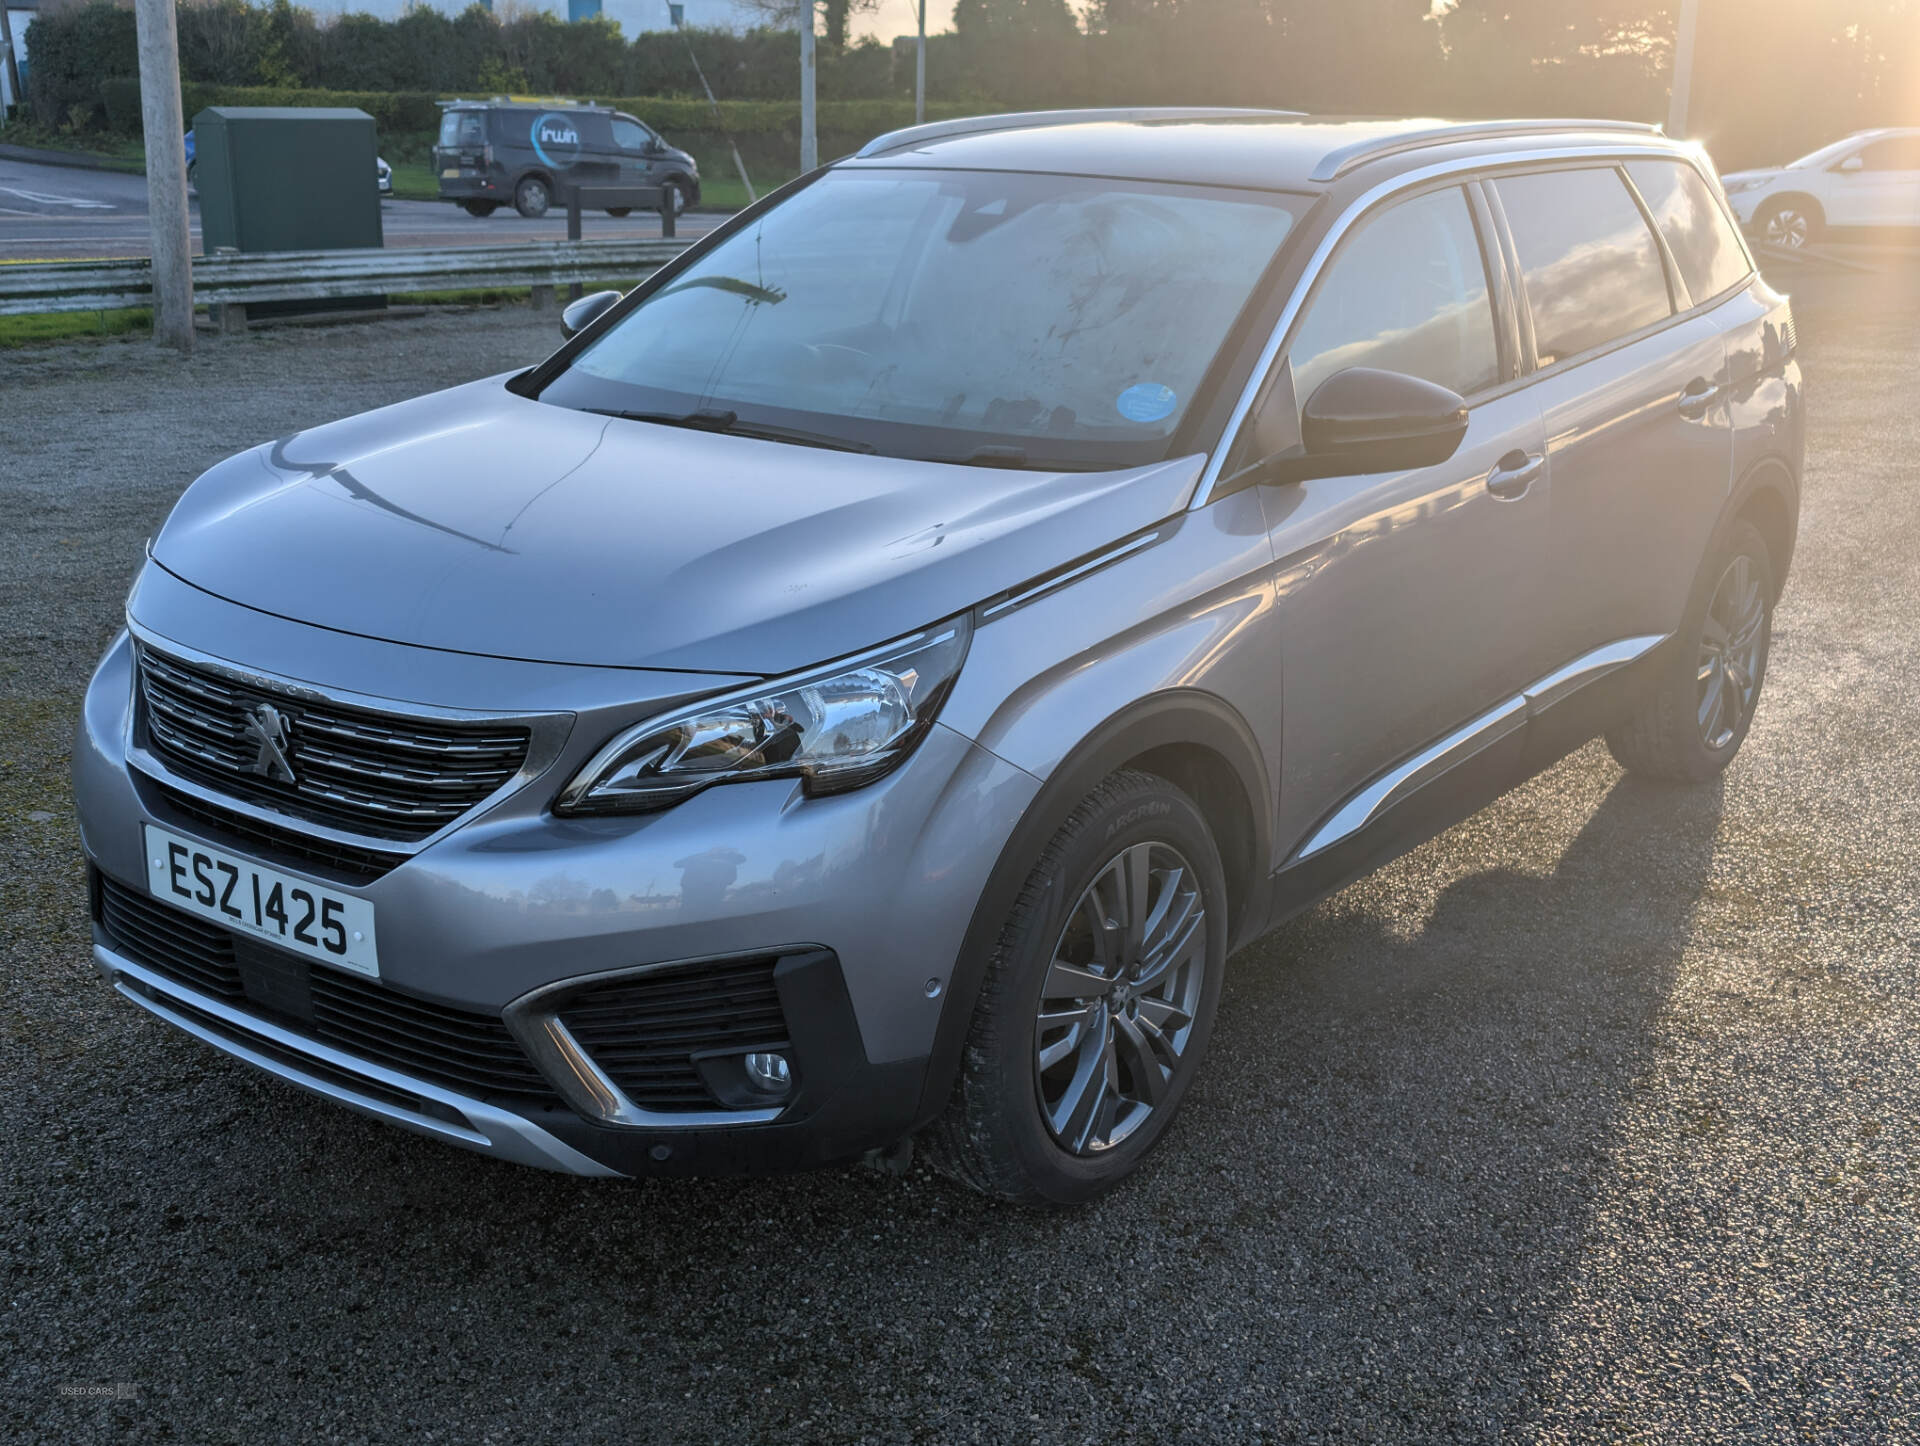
(286, 178)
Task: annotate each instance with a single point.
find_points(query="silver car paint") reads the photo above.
(1331, 585)
(578, 538)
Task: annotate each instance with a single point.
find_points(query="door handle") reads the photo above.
(1514, 473)
(1698, 398)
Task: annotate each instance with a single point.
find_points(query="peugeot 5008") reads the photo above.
(866, 683)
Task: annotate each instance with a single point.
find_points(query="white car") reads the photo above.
(1871, 178)
(383, 176)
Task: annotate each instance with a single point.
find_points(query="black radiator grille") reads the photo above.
(469, 1052)
(369, 773)
(645, 1031)
(290, 846)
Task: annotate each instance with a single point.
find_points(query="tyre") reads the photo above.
(1700, 705)
(531, 197)
(481, 209)
(619, 211)
(674, 197)
(193, 177)
(1792, 222)
(1097, 1002)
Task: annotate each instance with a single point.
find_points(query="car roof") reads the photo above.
(1269, 150)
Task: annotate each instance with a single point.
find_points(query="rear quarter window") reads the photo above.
(1695, 226)
(1591, 268)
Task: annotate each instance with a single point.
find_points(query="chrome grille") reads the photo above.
(368, 773)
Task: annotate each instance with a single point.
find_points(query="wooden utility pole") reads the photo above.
(1682, 89)
(166, 173)
(809, 138)
(920, 70)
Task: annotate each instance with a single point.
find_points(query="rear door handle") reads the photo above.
(1514, 473)
(1698, 398)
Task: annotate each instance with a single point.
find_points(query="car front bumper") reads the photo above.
(863, 898)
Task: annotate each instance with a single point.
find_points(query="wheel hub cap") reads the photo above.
(1118, 1004)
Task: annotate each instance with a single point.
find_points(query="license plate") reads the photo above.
(452, 173)
(294, 913)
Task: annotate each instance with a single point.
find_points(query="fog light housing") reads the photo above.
(769, 1071)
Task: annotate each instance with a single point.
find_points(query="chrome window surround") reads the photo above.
(534, 1020)
(548, 735)
(1463, 166)
(1471, 739)
(372, 1089)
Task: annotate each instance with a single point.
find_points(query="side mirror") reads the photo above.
(1363, 420)
(1851, 164)
(581, 314)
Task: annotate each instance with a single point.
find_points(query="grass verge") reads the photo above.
(61, 325)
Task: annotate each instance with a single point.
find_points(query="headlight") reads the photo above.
(1734, 188)
(834, 728)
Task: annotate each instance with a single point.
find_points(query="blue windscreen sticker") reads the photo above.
(1146, 402)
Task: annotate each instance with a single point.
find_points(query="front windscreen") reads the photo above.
(1036, 320)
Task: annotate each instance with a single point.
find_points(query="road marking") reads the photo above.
(48, 198)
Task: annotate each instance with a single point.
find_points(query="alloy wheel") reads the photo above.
(1118, 1005)
(1788, 227)
(1732, 652)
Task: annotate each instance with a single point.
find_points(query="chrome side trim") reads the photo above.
(534, 1020)
(1398, 783)
(1395, 784)
(359, 1084)
(1461, 166)
(548, 735)
(1034, 119)
(1562, 683)
(1073, 573)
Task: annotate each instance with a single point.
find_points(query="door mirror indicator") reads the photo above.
(581, 314)
(1363, 420)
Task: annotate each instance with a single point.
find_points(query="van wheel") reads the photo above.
(531, 198)
(619, 211)
(673, 197)
(481, 209)
(1097, 1002)
(1701, 702)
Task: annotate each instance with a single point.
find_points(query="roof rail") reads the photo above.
(1026, 120)
(1336, 163)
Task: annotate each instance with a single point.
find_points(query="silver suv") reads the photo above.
(867, 682)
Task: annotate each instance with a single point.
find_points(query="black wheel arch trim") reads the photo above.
(1770, 475)
(1184, 718)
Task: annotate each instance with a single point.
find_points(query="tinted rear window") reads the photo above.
(462, 128)
(1590, 265)
(1696, 228)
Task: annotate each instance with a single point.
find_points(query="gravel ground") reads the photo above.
(1595, 1118)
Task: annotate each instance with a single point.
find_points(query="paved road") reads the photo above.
(1595, 1119)
(49, 212)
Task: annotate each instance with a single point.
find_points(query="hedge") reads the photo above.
(767, 131)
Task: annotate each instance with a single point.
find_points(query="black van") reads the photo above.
(500, 152)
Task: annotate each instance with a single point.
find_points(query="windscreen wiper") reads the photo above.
(713, 419)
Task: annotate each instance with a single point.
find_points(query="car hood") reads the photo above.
(479, 521)
(1764, 173)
